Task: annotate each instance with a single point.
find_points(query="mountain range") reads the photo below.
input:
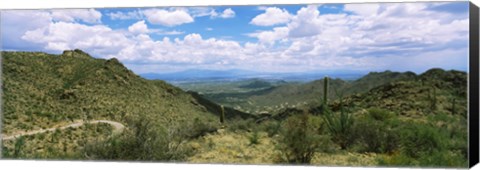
(193, 75)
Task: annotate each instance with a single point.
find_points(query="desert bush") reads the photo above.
(240, 124)
(340, 127)
(375, 136)
(143, 141)
(272, 127)
(377, 132)
(5, 152)
(300, 139)
(254, 138)
(442, 159)
(379, 114)
(435, 159)
(200, 128)
(19, 145)
(418, 139)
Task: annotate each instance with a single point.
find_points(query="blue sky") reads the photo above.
(282, 38)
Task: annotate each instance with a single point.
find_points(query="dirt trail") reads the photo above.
(117, 128)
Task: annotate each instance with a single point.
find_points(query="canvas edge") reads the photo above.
(473, 156)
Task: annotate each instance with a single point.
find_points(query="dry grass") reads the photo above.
(345, 159)
(234, 148)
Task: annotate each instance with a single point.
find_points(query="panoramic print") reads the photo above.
(373, 84)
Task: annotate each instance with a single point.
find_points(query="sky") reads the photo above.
(275, 38)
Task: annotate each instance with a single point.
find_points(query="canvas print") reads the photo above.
(368, 84)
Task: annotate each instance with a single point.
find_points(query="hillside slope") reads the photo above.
(41, 89)
(295, 95)
(435, 91)
(432, 92)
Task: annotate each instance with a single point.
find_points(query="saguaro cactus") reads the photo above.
(222, 114)
(325, 92)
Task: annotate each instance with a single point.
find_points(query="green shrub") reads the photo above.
(377, 131)
(375, 136)
(442, 159)
(340, 127)
(435, 159)
(418, 139)
(254, 138)
(18, 148)
(143, 141)
(272, 127)
(379, 114)
(300, 139)
(5, 151)
(200, 128)
(239, 124)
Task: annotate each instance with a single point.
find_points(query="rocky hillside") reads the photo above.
(41, 90)
(435, 91)
(407, 94)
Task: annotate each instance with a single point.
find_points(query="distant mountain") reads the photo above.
(199, 74)
(435, 91)
(406, 94)
(193, 75)
(306, 94)
(375, 79)
(257, 83)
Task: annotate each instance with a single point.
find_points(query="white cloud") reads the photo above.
(71, 15)
(307, 22)
(202, 11)
(375, 35)
(272, 16)
(209, 29)
(363, 9)
(125, 15)
(167, 18)
(262, 8)
(11, 29)
(228, 13)
(59, 36)
(174, 32)
(138, 28)
(208, 11)
(270, 37)
(310, 40)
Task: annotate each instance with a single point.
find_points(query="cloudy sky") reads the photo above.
(293, 38)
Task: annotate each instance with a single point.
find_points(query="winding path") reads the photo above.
(117, 128)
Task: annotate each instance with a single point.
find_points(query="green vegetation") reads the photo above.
(302, 136)
(280, 95)
(384, 118)
(376, 132)
(58, 144)
(143, 141)
(339, 126)
(42, 91)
